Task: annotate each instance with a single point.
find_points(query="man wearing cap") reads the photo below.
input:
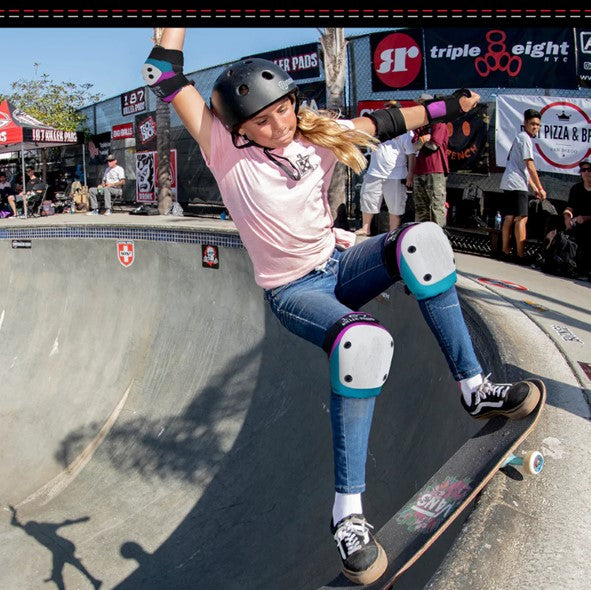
(111, 186)
(577, 215)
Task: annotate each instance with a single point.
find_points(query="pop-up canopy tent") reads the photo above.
(20, 132)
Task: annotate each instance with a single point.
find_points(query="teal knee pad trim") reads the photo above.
(425, 260)
(425, 290)
(360, 358)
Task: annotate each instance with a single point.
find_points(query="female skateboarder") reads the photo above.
(273, 162)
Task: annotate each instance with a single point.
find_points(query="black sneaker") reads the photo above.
(364, 559)
(513, 400)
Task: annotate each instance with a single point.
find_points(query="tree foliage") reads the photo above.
(53, 103)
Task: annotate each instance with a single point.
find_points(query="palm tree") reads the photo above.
(334, 48)
(165, 196)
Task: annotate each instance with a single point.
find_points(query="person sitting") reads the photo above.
(34, 187)
(111, 186)
(5, 192)
(577, 217)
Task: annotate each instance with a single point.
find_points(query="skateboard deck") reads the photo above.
(424, 518)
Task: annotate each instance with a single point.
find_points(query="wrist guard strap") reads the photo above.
(447, 108)
(163, 72)
(389, 123)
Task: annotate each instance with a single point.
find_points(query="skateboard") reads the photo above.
(422, 520)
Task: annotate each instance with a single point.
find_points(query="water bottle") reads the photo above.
(73, 207)
(498, 220)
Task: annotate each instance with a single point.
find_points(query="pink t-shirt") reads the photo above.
(285, 225)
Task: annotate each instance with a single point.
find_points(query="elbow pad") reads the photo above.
(389, 123)
(163, 72)
(447, 108)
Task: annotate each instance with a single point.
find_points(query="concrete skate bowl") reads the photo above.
(161, 430)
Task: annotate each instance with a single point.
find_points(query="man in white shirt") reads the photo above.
(520, 175)
(389, 174)
(111, 186)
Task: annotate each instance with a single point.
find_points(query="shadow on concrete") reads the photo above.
(62, 550)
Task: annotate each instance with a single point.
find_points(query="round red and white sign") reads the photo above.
(397, 60)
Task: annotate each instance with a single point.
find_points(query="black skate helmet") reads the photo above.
(247, 87)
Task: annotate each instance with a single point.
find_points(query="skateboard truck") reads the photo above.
(532, 462)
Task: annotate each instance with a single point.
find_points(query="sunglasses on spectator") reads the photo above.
(585, 169)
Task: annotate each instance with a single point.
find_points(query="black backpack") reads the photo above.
(559, 256)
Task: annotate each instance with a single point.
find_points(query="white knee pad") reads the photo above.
(360, 356)
(425, 260)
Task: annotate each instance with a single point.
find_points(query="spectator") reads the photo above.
(577, 217)
(390, 171)
(5, 192)
(431, 170)
(111, 186)
(34, 187)
(520, 173)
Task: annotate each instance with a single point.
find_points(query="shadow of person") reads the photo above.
(62, 549)
(132, 550)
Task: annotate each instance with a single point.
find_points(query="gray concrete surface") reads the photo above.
(180, 436)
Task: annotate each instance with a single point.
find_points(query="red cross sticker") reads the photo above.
(125, 253)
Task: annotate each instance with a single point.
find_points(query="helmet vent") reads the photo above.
(267, 75)
(243, 90)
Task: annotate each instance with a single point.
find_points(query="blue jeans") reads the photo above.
(311, 305)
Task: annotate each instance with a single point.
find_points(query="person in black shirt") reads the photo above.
(577, 216)
(34, 186)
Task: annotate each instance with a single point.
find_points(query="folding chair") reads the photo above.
(35, 203)
(119, 201)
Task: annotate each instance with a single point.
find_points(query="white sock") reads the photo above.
(469, 385)
(345, 504)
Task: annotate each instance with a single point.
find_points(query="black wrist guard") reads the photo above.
(389, 123)
(163, 72)
(447, 108)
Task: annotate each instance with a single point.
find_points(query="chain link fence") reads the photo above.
(196, 184)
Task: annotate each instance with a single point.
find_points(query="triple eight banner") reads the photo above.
(564, 138)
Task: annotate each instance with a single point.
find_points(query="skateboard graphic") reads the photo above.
(424, 518)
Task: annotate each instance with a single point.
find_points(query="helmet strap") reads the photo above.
(291, 171)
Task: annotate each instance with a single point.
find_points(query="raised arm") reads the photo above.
(393, 121)
(163, 72)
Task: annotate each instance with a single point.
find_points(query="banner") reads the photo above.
(133, 102)
(123, 131)
(300, 62)
(313, 95)
(99, 147)
(146, 173)
(500, 57)
(397, 61)
(584, 57)
(564, 138)
(368, 106)
(145, 132)
(467, 149)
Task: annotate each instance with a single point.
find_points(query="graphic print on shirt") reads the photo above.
(304, 165)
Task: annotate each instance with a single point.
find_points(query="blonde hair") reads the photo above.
(321, 128)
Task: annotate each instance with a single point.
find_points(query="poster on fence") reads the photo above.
(146, 172)
(467, 149)
(506, 57)
(564, 138)
(584, 58)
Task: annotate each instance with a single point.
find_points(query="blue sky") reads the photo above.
(111, 58)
